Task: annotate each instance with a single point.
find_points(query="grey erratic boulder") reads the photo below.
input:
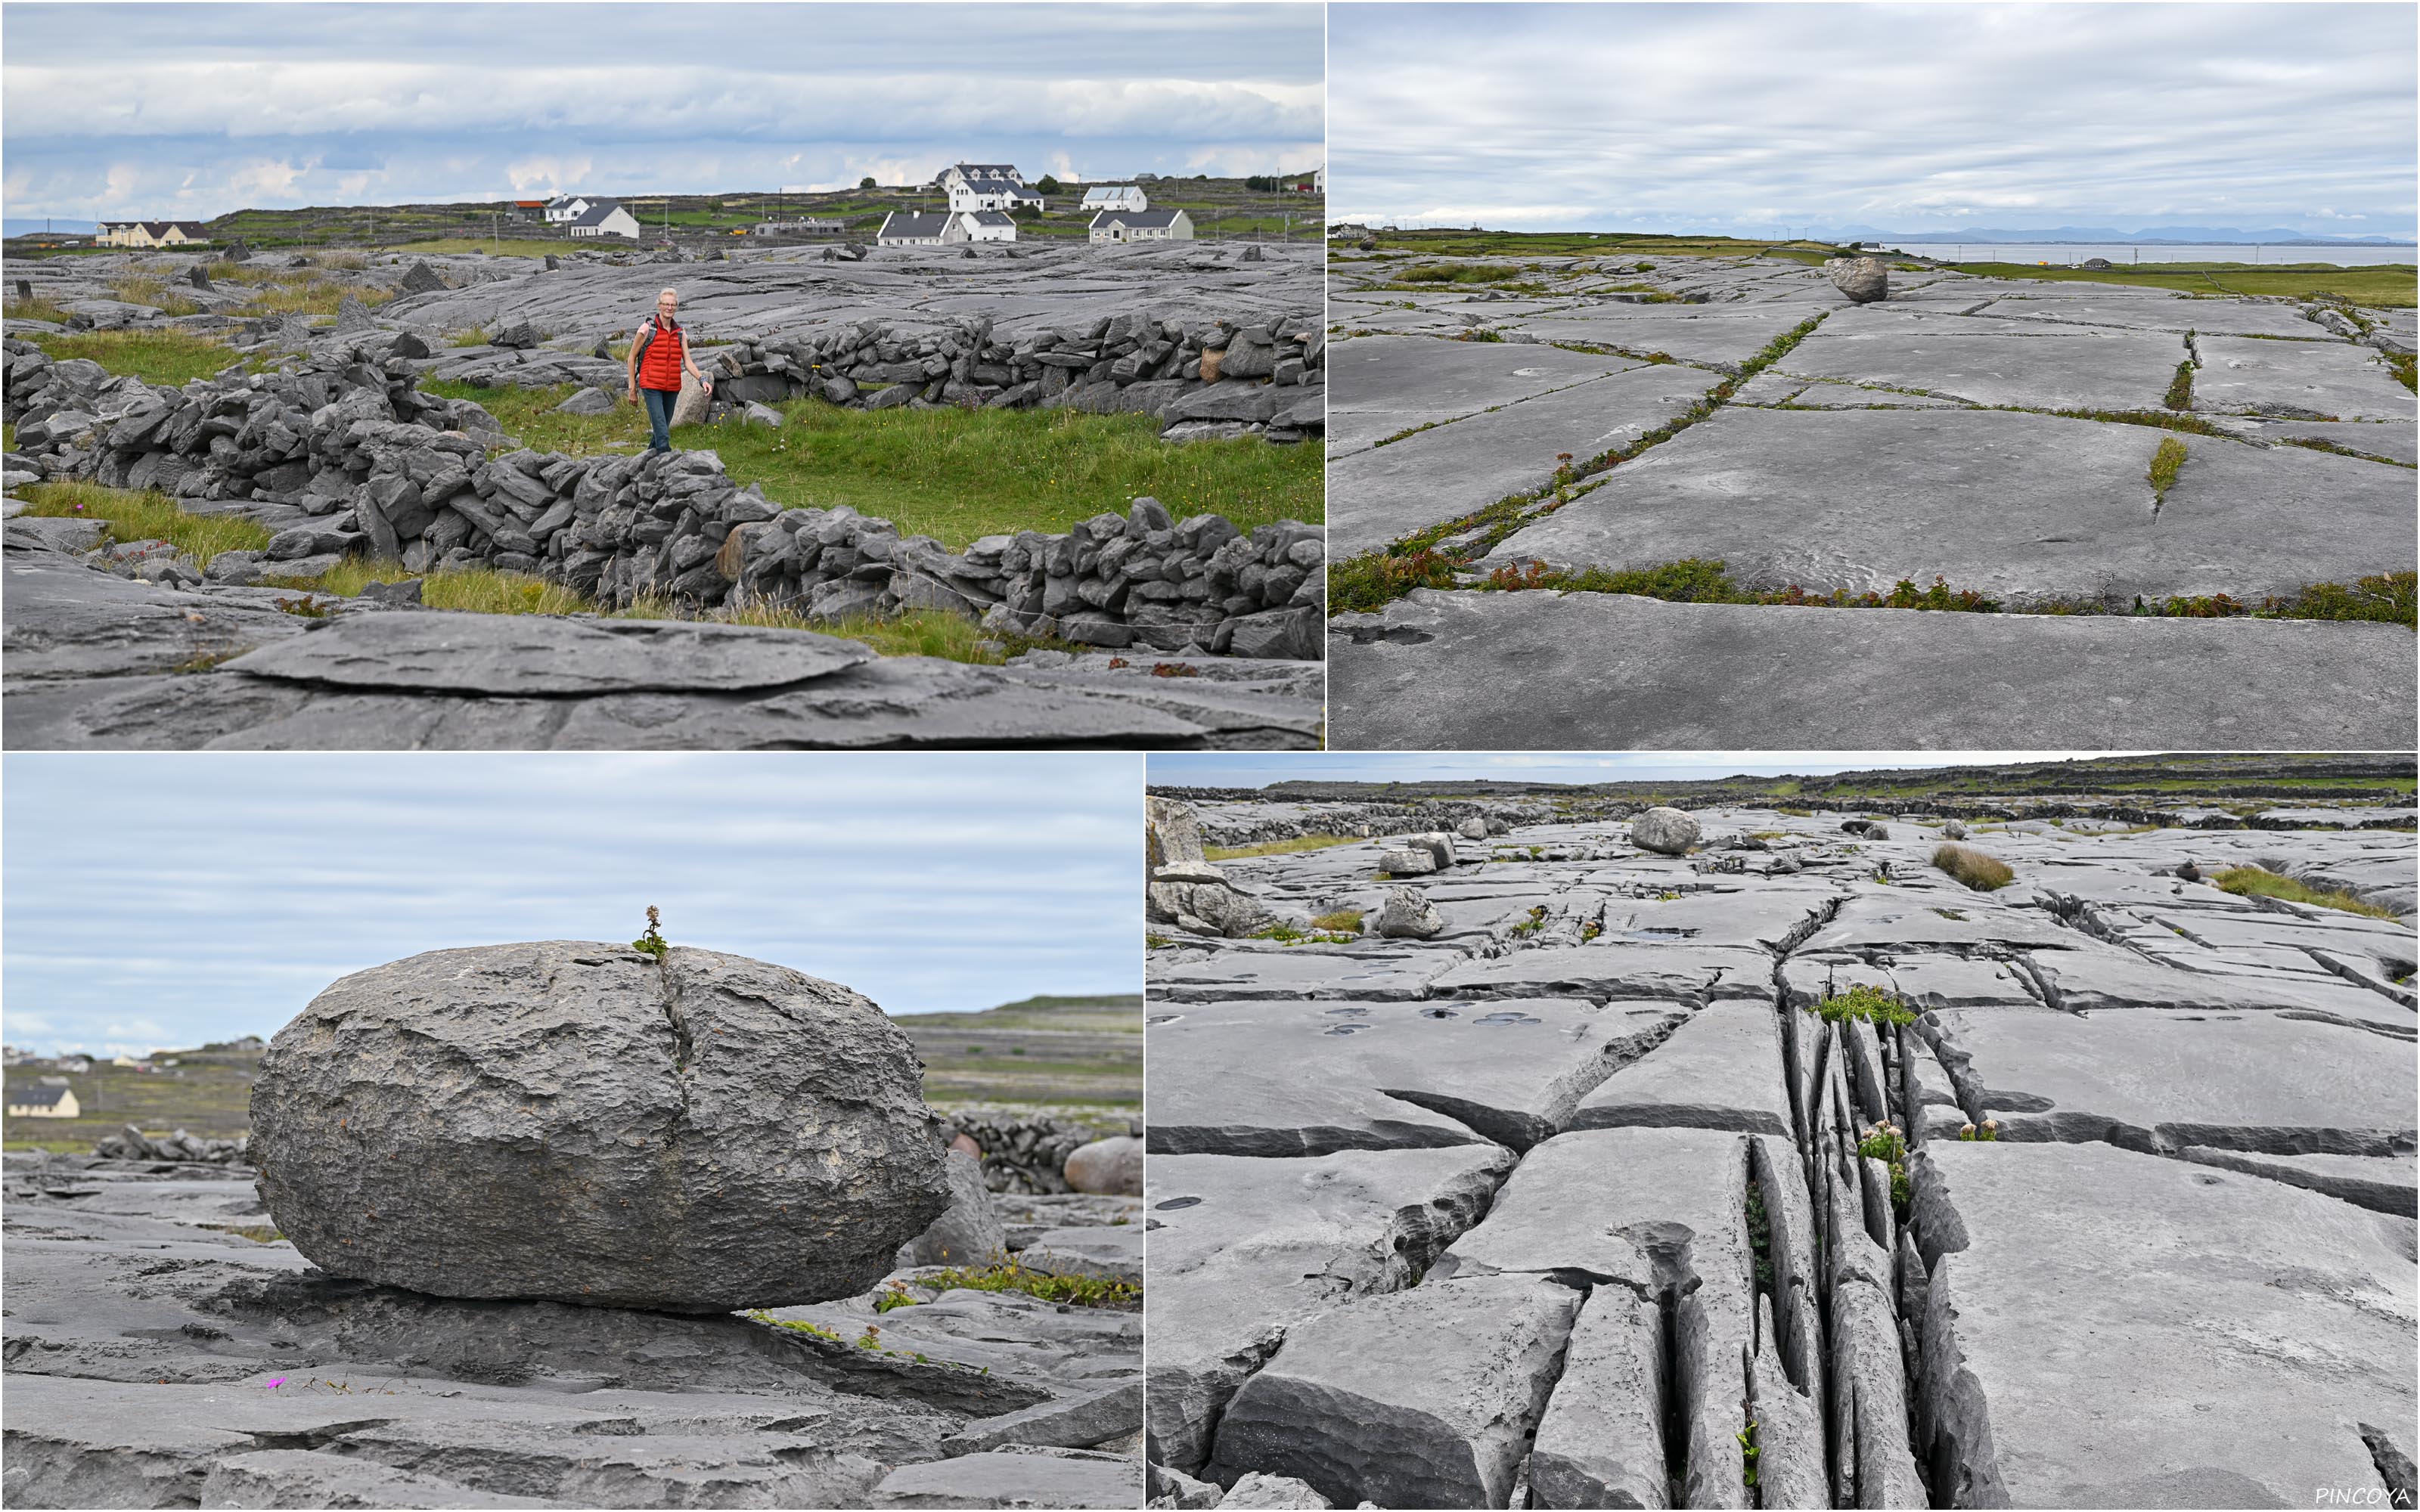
(1108, 1167)
(970, 1232)
(1864, 280)
(1407, 915)
(1473, 828)
(1665, 831)
(575, 1122)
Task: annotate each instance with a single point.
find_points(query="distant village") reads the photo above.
(40, 1086)
(982, 201)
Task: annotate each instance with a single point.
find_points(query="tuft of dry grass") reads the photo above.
(2165, 463)
(2253, 881)
(1984, 873)
(1343, 921)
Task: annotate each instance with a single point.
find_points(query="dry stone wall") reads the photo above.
(373, 465)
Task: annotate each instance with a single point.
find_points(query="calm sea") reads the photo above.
(2126, 253)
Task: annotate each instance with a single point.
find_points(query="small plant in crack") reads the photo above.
(1591, 931)
(1864, 1001)
(1531, 925)
(2165, 463)
(1884, 1142)
(1749, 1451)
(1987, 1133)
(2180, 387)
(653, 942)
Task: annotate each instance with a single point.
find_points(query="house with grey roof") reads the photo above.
(907, 228)
(603, 218)
(957, 172)
(992, 192)
(1142, 225)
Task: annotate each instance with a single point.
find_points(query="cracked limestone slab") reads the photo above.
(1242, 1248)
(1387, 492)
(2152, 310)
(1990, 362)
(1441, 671)
(1380, 385)
(1417, 1399)
(2392, 441)
(1694, 973)
(1716, 337)
(2019, 507)
(2383, 1182)
(1660, 1214)
(2333, 381)
(2100, 981)
(1289, 1078)
(2260, 1326)
(1239, 974)
(1721, 1069)
(2157, 1081)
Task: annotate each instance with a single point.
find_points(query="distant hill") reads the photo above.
(1065, 1050)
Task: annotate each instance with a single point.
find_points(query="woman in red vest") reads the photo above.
(659, 356)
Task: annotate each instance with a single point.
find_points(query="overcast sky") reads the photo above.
(158, 900)
(1248, 770)
(1903, 119)
(188, 111)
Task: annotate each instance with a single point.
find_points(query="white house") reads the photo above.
(43, 1103)
(603, 218)
(1116, 197)
(1319, 178)
(903, 228)
(154, 234)
(981, 225)
(77, 1065)
(127, 1063)
(992, 194)
(565, 208)
(1142, 225)
(958, 172)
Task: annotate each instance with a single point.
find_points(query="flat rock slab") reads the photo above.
(1718, 337)
(1386, 492)
(1419, 1398)
(2395, 441)
(2038, 367)
(1380, 385)
(2328, 379)
(1230, 1078)
(2144, 310)
(1239, 975)
(1595, 672)
(2019, 507)
(1610, 1205)
(543, 655)
(1721, 1069)
(2260, 1326)
(2157, 1081)
(1242, 1248)
(64, 620)
(1004, 1479)
(1692, 974)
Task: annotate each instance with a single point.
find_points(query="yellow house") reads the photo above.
(43, 1103)
(154, 234)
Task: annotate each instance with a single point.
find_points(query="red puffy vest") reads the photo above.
(660, 364)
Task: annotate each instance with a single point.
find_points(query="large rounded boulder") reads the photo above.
(578, 1122)
(1665, 831)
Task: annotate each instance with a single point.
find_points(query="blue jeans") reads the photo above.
(660, 404)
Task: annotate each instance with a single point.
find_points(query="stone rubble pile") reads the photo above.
(131, 1143)
(352, 459)
(1022, 1152)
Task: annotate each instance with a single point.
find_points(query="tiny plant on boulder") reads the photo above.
(653, 943)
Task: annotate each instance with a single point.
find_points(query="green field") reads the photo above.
(954, 474)
(209, 1093)
(2385, 287)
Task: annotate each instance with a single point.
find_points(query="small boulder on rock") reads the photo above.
(970, 1232)
(1665, 831)
(1472, 830)
(1407, 915)
(585, 1123)
(1864, 280)
(1108, 1167)
(521, 335)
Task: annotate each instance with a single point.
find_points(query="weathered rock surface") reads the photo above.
(968, 1232)
(1859, 433)
(578, 1123)
(2132, 1117)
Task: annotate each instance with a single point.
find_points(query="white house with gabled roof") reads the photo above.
(1142, 225)
(1115, 197)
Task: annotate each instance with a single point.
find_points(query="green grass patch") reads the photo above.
(1012, 1276)
(33, 309)
(144, 516)
(1276, 847)
(954, 474)
(1343, 921)
(1867, 1003)
(2180, 396)
(170, 357)
(2403, 366)
(478, 590)
(507, 246)
(2165, 463)
(1973, 869)
(2258, 882)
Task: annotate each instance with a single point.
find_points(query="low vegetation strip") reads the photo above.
(1276, 847)
(1421, 558)
(2385, 597)
(2258, 882)
(169, 356)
